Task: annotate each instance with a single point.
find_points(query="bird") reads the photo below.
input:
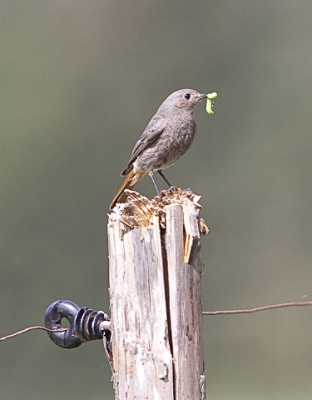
(168, 135)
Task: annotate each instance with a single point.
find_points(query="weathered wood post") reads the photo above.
(155, 297)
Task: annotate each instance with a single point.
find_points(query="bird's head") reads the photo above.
(182, 100)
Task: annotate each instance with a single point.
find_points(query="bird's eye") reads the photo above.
(187, 96)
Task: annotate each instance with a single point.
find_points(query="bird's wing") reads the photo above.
(151, 133)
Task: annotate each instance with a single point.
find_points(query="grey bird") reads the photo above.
(166, 138)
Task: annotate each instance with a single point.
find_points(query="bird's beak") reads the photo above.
(201, 96)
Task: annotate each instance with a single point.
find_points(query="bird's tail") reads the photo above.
(131, 180)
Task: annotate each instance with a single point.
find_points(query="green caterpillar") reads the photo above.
(210, 98)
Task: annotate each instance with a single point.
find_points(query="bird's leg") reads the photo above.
(164, 178)
(150, 174)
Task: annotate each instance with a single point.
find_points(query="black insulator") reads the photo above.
(84, 324)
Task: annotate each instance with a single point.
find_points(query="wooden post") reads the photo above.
(155, 297)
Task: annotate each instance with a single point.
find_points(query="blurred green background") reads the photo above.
(79, 82)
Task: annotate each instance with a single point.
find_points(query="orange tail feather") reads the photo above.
(131, 180)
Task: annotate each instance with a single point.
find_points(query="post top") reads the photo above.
(140, 212)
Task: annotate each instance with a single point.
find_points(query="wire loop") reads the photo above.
(84, 324)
